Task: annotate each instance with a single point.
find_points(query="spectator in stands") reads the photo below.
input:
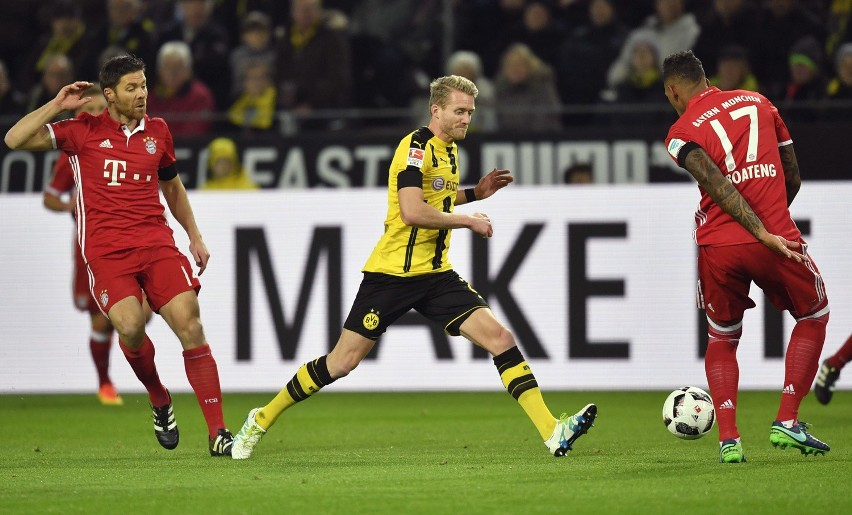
(66, 37)
(254, 108)
(807, 83)
(671, 28)
(12, 102)
(526, 93)
(727, 22)
(125, 27)
(586, 55)
(383, 76)
(224, 169)
(479, 25)
(734, 70)
(644, 79)
(256, 46)
(209, 44)
(468, 65)
(783, 23)
(185, 101)
(231, 14)
(538, 30)
(58, 72)
(19, 25)
(579, 173)
(806, 79)
(313, 64)
(839, 26)
(840, 87)
(640, 91)
(408, 26)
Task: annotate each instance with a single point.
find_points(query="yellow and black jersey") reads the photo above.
(424, 161)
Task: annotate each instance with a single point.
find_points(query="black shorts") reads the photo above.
(444, 298)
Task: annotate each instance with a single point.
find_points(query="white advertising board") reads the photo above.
(597, 283)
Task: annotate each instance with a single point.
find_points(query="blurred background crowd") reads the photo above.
(242, 66)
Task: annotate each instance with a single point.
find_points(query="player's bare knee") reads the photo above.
(191, 333)
(503, 340)
(131, 333)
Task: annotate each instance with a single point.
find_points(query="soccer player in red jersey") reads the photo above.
(100, 336)
(738, 149)
(829, 372)
(121, 160)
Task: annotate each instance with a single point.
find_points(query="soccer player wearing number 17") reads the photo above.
(738, 149)
(408, 269)
(121, 159)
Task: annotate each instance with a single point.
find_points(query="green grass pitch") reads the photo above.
(404, 453)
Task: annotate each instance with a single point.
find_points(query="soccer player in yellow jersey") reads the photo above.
(409, 269)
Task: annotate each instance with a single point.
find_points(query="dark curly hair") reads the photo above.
(683, 65)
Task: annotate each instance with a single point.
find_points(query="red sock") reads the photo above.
(142, 362)
(801, 364)
(99, 346)
(723, 376)
(843, 355)
(203, 375)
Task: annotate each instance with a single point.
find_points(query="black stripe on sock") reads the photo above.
(312, 371)
(508, 359)
(321, 369)
(521, 384)
(294, 388)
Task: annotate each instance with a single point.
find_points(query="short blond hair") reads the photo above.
(440, 89)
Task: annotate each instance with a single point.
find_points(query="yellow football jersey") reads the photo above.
(424, 161)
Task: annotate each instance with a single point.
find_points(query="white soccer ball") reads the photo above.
(688, 413)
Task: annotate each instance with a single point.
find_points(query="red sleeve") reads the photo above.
(781, 131)
(63, 176)
(168, 157)
(675, 141)
(68, 135)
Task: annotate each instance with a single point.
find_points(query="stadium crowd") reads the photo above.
(220, 66)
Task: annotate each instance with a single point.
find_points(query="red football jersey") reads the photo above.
(741, 131)
(63, 177)
(116, 174)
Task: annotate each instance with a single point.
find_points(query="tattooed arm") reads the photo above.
(726, 196)
(792, 179)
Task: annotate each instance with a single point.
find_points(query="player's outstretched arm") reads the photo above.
(175, 195)
(792, 179)
(488, 185)
(726, 196)
(30, 132)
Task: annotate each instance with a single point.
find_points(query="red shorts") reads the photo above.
(83, 299)
(725, 275)
(160, 273)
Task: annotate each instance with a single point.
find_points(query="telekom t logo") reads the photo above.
(116, 175)
(115, 170)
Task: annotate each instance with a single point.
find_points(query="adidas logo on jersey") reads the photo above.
(789, 389)
(105, 144)
(728, 404)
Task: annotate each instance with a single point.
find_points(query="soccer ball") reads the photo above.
(688, 413)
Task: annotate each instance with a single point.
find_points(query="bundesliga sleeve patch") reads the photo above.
(415, 157)
(674, 147)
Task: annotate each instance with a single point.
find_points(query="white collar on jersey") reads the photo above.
(139, 127)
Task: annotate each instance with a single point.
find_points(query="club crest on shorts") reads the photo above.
(104, 296)
(150, 144)
(371, 320)
(438, 183)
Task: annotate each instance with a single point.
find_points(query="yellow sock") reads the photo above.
(309, 379)
(521, 384)
(533, 404)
